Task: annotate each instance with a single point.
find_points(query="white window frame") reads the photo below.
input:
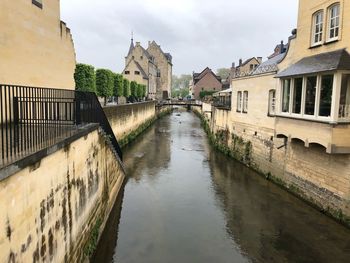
(317, 21)
(245, 101)
(281, 96)
(336, 23)
(315, 116)
(239, 101)
(272, 102)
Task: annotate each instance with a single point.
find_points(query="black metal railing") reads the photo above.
(33, 118)
(224, 103)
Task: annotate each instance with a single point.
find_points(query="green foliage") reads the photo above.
(126, 88)
(91, 245)
(180, 93)
(133, 89)
(85, 78)
(144, 90)
(223, 72)
(104, 82)
(118, 85)
(204, 93)
(181, 82)
(139, 91)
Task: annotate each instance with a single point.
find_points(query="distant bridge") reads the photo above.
(187, 103)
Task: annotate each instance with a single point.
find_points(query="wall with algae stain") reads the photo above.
(52, 209)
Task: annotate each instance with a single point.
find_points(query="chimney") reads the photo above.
(149, 43)
(282, 47)
(137, 43)
(233, 65)
(240, 62)
(259, 59)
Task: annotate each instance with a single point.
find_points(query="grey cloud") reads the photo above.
(208, 33)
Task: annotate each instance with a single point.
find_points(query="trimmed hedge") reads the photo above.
(85, 78)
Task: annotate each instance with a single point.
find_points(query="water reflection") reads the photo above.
(271, 225)
(184, 202)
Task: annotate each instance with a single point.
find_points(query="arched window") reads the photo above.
(317, 28)
(333, 22)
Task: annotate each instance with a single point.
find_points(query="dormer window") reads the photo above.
(317, 30)
(333, 22)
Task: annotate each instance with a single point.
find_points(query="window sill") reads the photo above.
(315, 45)
(36, 3)
(331, 41)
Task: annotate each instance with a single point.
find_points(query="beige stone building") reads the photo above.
(290, 116)
(36, 47)
(164, 69)
(151, 67)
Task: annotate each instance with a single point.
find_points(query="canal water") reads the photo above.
(186, 202)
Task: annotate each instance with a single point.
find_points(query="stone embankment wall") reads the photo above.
(321, 179)
(129, 120)
(54, 207)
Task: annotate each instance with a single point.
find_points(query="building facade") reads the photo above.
(37, 49)
(151, 67)
(207, 80)
(290, 116)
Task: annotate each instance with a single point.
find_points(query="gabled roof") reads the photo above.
(198, 76)
(143, 73)
(330, 61)
(247, 61)
(167, 55)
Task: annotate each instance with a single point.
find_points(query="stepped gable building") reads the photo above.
(151, 67)
(37, 49)
(206, 80)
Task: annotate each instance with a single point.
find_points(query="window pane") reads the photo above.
(326, 95)
(245, 101)
(344, 105)
(239, 101)
(285, 95)
(272, 99)
(310, 95)
(298, 91)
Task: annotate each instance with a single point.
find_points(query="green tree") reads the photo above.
(104, 83)
(144, 91)
(133, 89)
(85, 78)
(126, 88)
(118, 85)
(139, 91)
(223, 72)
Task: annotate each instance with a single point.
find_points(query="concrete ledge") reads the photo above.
(31, 159)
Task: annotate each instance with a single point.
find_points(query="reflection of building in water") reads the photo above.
(153, 151)
(268, 224)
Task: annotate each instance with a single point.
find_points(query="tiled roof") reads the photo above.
(198, 76)
(336, 60)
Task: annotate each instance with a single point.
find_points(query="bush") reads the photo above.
(118, 86)
(85, 78)
(140, 91)
(133, 89)
(126, 88)
(204, 93)
(144, 91)
(104, 83)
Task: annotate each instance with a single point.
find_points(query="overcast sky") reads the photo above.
(198, 33)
